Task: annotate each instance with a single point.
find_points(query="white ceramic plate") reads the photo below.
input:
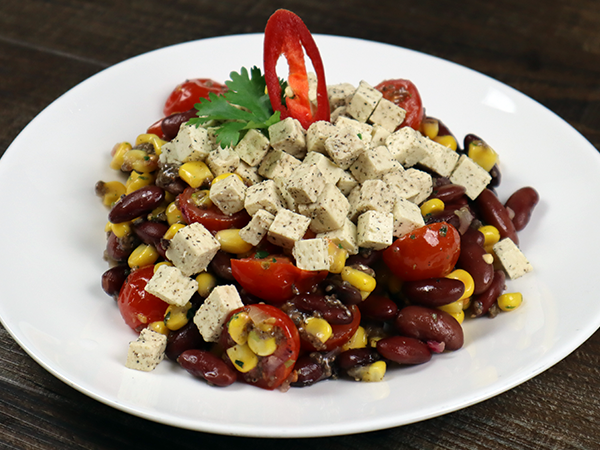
(54, 307)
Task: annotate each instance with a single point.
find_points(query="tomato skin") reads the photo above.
(188, 93)
(212, 218)
(274, 369)
(341, 333)
(427, 252)
(404, 94)
(273, 278)
(138, 307)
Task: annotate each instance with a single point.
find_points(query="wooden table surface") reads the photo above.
(550, 50)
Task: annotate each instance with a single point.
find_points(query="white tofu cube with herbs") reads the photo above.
(191, 144)
(248, 174)
(311, 254)
(306, 183)
(512, 259)
(287, 228)
(284, 193)
(364, 131)
(372, 164)
(411, 184)
(407, 146)
(340, 94)
(278, 163)
(379, 135)
(344, 236)
(317, 134)
(331, 172)
(212, 314)
(387, 115)
(346, 183)
(407, 217)
(372, 195)
(228, 194)
(253, 147)
(147, 351)
(288, 135)
(222, 160)
(257, 228)
(440, 159)
(344, 147)
(363, 102)
(171, 286)
(263, 195)
(192, 248)
(471, 175)
(330, 210)
(375, 229)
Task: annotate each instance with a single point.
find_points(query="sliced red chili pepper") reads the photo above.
(286, 34)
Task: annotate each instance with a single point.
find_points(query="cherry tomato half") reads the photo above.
(341, 333)
(188, 93)
(138, 307)
(404, 94)
(212, 218)
(427, 252)
(274, 278)
(271, 370)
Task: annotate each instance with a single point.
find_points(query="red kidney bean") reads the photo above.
(344, 291)
(366, 257)
(378, 307)
(139, 202)
(522, 203)
(186, 338)
(449, 193)
(119, 249)
(471, 260)
(481, 304)
(309, 371)
(357, 357)
(404, 350)
(472, 236)
(494, 213)
(203, 364)
(170, 125)
(113, 279)
(430, 324)
(433, 292)
(221, 266)
(330, 308)
(150, 232)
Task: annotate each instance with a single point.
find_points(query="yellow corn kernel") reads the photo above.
(490, 233)
(196, 174)
(483, 154)
(459, 316)
(162, 263)
(206, 283)
(238, 327)
(159, 326)
(140, 161)
(177, 316)
(202, 199)
(370, 373)
(242, 357)
(118, 153)
(111, 191)
(231, 242)
(120, 229)
(365, 294)
(260, 345)
(510, 301)
(447, 141)
(144, 255)
(174, 214)
(153, 139)
(173, 229)
(430, 127)
(466, 303)
(452, 308)
(358, 340)
(223, 176)
(360, 280)
(433, 206)
(466, 278)
(318, 327)
(337, 257)
(138, 180)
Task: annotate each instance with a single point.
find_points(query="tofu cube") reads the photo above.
(257, 228)
(344, 236)
(372, 164)
(340, 94)
(512, 259)
(439, 159)
(387, 115)
(407, 217)
(192, 248)
(346, 183)
(147, 351)
(372, 195)
(171, 286)
(330, 171)
(317, 134)
(288, 136)
(253, 147)
(287, 228)
(211, 316)
(330, 210)
(222, 160)
(278, 163)
(263, 195)
(471, 175)
(249, 174)
(344, 147)
(363, 130)
(363, 102)
(375, 229)
(228, 194)
(412, 184)
(379, 135)
(284, 193)
(407, 146)
(191, 144)
(306, 183)
(311, 254)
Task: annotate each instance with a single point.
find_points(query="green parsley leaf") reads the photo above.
(244, 106)
(261, 254)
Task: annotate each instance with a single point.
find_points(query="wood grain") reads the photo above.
(548, 50)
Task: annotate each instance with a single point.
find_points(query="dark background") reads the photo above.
(549, 50)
